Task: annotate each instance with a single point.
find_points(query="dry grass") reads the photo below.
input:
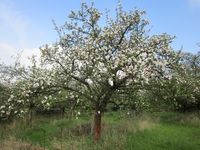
(146, 122)
(190, 119)
(13, 144)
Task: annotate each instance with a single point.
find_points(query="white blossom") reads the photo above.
(89, 81)
(99, 112)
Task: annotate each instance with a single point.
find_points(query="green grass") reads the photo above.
(158, 131)
(165, 137)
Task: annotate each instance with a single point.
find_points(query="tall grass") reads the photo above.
(158, 131)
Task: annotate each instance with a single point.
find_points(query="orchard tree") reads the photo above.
(26, 90)
(191, 76)
(4, 93)
(93, 60)
(182, 90)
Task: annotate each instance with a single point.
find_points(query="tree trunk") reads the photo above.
(29, 118)
(97, 125)
(62, 112)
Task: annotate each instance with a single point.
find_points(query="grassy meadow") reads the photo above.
(156, 131)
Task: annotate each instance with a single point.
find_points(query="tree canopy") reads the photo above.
(92, 62)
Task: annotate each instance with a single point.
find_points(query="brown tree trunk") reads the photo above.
(62, 112)
(29, 118)
(97, 126)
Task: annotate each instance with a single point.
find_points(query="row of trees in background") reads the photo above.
(181, 92)
(94, 66)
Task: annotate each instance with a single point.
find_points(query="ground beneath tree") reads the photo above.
(157, 131)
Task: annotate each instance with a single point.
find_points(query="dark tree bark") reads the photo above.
(62, 112)
(97, 125)
(29, 119)
(100, 107)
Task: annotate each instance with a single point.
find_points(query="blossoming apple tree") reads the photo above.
(94, 59)
(27, 90)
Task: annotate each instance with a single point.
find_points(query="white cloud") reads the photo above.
(8, 54)
(194, 3)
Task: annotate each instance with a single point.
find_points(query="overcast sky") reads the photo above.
(27, 24)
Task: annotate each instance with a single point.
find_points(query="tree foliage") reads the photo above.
(93, 62)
